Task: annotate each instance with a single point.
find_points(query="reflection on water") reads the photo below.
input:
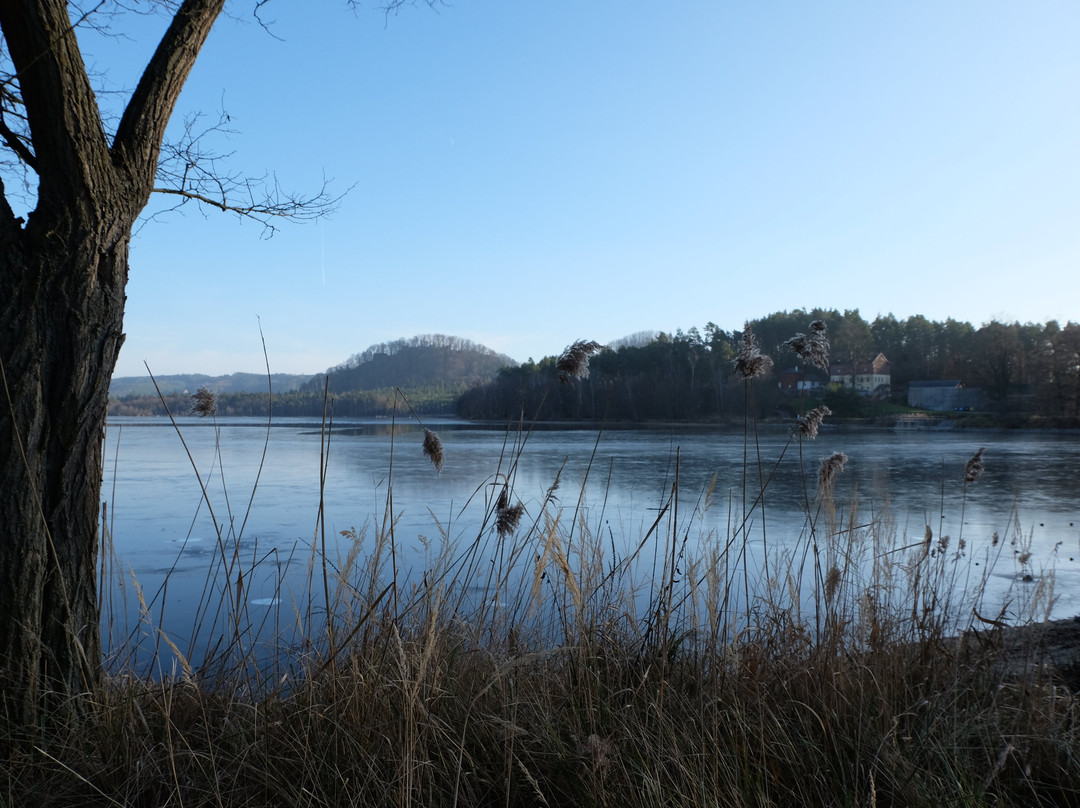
(611, 485)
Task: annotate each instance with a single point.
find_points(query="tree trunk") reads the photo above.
(60, 333)
(62, 279)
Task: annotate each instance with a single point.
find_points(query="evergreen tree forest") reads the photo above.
(1024, 370)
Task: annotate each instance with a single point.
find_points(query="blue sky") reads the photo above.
(525, 174)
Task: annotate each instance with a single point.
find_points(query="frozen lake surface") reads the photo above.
(162, 529)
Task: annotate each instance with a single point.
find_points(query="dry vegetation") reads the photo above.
(537, 666)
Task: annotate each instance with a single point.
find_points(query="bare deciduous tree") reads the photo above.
(63, 272)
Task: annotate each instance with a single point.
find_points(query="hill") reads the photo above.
(426, 361)
(433, 370)
(126, 386)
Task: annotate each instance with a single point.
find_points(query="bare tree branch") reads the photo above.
(86, 17)
(142, 127)
(13, 142)
(394, 6)
(391, 7)
(262, 200)
(264, 24)
(48, 65)
(17, 141)
(189, 168)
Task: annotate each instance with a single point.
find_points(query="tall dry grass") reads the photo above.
(539, 664)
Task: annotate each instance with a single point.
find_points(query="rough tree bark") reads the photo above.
(62, 278)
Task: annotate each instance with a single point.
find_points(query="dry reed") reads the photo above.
(973, 469)
(433, 449)
(204, 403)
(813, 347)
(750, 362)
(808, 425)
(602, 684)
(573, 362)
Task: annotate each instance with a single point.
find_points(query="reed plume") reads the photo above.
(507, 518)
(573, 363)
(595, 751)
(433, 448)
(831, 466)
(808, 424)
(203, 402)
(750, 362)
(812, 347)
(973, 469)
(832, 582)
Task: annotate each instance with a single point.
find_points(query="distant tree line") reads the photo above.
(426, 400)
(1024, 369)
(123, 386)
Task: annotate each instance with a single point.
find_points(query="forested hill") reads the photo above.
(430, 360)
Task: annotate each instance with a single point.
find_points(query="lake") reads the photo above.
(616, 482)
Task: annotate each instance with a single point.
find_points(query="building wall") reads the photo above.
(864, 382)
(933, 398)
(945, 398)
